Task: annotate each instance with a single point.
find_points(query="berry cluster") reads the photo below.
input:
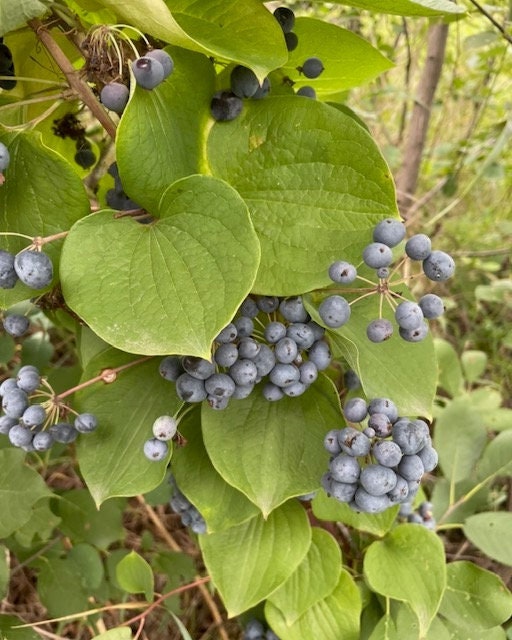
(381, 465)
(421, 515)
(410, 316)
(35, 426)
(288, 351)
(6, 68)
(31, 266)
(255, 630)
(149, 71)
(190, 516)
(227, 104)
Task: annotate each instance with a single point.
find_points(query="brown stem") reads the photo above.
(159, 600)
(83, 91)
(107, 376)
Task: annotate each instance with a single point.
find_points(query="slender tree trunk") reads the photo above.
(415, 137)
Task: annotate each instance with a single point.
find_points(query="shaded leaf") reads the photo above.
(21, 487)
(220, 504)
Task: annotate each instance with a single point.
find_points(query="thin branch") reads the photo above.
(493, 20)
(83, 91)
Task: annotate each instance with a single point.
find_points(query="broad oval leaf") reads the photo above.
(496, 459)
(135, 575)
(475, 597)
(459, 437)
(166, 125)
(220, 504)
(348, 59)
(490, 532)
(249, 561)
(272, 451)
(111, 458)
(334, 617)
(21, 487)
(53, 201)
(314, 579)
(314, 182)
(169, 286)
(409, 565)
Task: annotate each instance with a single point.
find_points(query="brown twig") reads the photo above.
(210, 603)
(83, 91)
(489, 17)
(164, 534)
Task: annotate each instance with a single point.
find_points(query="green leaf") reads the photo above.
(220, 504)
(445, 495)
(21, 487)
(496, 459)
(450, 371)
(119, 633)
(51, 204)
(314, 579)
(385, 630)
(326, 508)
(272, 451)
(458, 633)
(135, 575)
(475, 598)
(15, 14)
(314, 182)
(37, 350)
(348, 59)
(176, 151)
(4, 571)
(334, 617)
(179, 569)
(429, 8)
(59, 588)
(111, 458)
(161, 299)
(499, 419)
(390, 369)
(7, 632)
(459, 438)
(244, 32)
(88, 565)
(83, 522)
(473, 364)
(490, 532)
(40, 525)
(249, 561)
(391, 569)
(7, 349)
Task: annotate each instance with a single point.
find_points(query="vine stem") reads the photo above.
(82, 89)
(107, 375)
(121, 607)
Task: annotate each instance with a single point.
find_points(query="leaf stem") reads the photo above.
(83, 91)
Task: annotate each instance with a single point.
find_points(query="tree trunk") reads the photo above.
(407, 176)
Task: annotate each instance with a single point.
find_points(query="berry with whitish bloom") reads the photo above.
(389, 231)
(148, 72)
(334, 311)
(438, 266)
(164, 59)
(342, 272)
(377, 255)
(155, 450)
(379, 330)
(431, 305)
(418, 247)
